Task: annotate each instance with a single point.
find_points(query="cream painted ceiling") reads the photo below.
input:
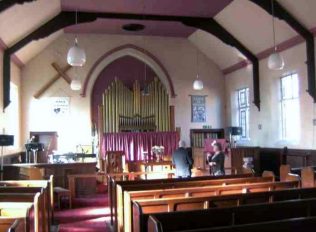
(250, 24)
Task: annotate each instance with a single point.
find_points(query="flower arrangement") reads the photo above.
(158, 151)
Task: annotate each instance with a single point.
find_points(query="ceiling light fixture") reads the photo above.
(275, 60)
(76, 56)
(145, 91)
(198, 83)
(76, 83)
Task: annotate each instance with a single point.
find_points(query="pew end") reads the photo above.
(72, 179)
(10, 224)
(154, 225)
(33, 195)
(308, 177)
(17, 226)
(285, 169)
(293, 177)
(268, 174)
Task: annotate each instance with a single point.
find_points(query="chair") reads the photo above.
(114, 162)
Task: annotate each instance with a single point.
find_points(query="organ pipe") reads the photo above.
(127, 109)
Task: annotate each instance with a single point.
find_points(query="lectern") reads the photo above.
(33, 148)
(5, 140)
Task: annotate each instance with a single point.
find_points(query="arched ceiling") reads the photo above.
(249, 23)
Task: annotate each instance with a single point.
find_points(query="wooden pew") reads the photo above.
(141, 208)
(113, 178)
(118, 187)
(18, 211)
(17, 226)
(287, 225)
(308, 176)
(121, 187)
(34, 186)
(72, 179)
(185, 220)
(27, 214)
(47, 186)
(29, 197)
(21, 194)
(215, 187)
(12, 224)
(286, 173)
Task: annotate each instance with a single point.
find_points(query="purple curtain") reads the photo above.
(134, 144)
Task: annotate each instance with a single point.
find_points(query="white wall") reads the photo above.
(177, 55)
(269, 116)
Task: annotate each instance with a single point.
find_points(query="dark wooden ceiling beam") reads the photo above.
(281, 13)
(5, 4)
(67, 18)
(60, 21)
(214, 28)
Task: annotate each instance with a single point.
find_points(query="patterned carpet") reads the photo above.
(88, 214)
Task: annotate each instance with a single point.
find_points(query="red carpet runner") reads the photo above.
(88, 214)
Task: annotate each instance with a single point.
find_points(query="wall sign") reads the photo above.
(198, 110)
(60, 105)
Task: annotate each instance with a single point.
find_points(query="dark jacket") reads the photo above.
(218, 168)
(183, 162)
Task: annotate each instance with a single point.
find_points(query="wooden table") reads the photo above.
(151, 166)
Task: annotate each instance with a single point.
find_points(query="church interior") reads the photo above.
(107, 103)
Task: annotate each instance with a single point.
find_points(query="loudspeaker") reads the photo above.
(234, 130)
(6, 140)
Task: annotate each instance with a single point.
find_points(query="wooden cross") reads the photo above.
(61, 72)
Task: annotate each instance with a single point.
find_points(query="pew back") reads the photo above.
(215, 217)
(6, 223)
(23, 212)
(142, 207)
(123, 204)
(286, 225)
(47, 186)
(118, 188)
(213, 188)
(42, 200)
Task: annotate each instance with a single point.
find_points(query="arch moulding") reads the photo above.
(127, 50)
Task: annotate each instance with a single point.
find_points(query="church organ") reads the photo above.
(124, 109)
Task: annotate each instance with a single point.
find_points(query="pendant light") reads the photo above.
(275, 60)
(76, 56)
(76, 83)
(145, 91)
(198, 83)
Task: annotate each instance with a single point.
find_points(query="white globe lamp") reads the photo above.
(76, 56)
(198, 84)
(275, 61)
(75, 85)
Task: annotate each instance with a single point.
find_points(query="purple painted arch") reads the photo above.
(131, 46)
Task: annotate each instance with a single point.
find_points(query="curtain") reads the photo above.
(135, 144)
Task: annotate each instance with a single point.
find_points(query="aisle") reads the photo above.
(89, 214)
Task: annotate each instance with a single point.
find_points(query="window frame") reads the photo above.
(294, 97)
(243, 108)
